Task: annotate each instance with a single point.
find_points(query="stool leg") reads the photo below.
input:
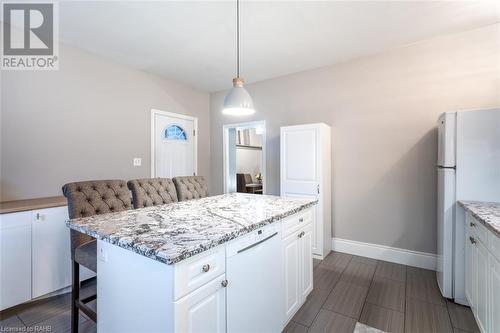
(75, 296)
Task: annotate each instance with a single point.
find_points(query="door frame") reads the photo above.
(154, 113)
(225, 151)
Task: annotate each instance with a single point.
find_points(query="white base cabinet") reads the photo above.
(35, 256)
(482, 279)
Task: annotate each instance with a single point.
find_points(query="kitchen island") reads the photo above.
(234, 262)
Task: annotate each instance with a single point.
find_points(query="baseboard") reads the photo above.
(386, 253)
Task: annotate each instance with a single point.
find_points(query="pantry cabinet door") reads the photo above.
(291, 257)
(203, 310)
(470, 270)
(15, 259)
(482, 295)
(306, 264)
(494, 294)
(51, 255)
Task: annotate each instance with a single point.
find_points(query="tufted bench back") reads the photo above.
(191, 187)
(152, 192)
(94, 197)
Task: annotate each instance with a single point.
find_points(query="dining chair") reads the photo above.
(148, 192)
(90, 198)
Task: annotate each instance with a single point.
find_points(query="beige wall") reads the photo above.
(86, 121)
(383, 110)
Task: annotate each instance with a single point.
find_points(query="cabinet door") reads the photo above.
(306, 262)
(291, 253)
(15, 259)
(470, 270)
(494, 295)
(51, 255)
(203, 310)
(481, 283)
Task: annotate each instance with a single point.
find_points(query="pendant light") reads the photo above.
(238, 101)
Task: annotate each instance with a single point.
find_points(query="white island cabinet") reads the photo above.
(229, 263)
(482, 279)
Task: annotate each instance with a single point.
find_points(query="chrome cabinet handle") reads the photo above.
(301, 234)
(206, 268)
(472, 240)
(224, 283)
(301, 220)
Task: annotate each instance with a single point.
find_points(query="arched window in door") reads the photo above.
(174, 132)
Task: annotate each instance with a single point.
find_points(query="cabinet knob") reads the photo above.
(206, 268)
(224, 283)
(472, 224)
(472, 240)
(301, 220)
(301, 234)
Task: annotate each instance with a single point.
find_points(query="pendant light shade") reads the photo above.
(238, 101)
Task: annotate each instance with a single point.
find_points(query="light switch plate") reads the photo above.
(137, 161)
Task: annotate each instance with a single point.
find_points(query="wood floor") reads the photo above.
(347, 289)
(387, 296)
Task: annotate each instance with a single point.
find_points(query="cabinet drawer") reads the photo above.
(477, 229)
(194, 272)
(494, 245)
(292, 223)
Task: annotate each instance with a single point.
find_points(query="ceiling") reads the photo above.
(194, 41)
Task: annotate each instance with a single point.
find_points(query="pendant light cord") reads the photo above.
(237, 38)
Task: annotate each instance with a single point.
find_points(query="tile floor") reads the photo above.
(347, 289)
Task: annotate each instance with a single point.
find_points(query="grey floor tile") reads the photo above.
(382, 318)
(337, 260)
(391, 271)
(426, 317)
(325, 278)
(358, 273)
(332, 322)
(316, 262)
(87, 327)
(57, 324)
(424, 287)
(294, 327)
(44, 309)
(420, 272)
(365, 260)
(346, 299)
(462, 317)
(311, 307)
(388, 293)
(10, 323)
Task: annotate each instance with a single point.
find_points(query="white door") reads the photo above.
(306, 263)
(300, 168)
(291, 253)
(173, 145)
(15, 259)
(482, 286)
(445, 218)
(203, 310)
(495, 294)
(51, 256)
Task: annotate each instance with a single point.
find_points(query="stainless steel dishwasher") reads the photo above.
(255, 301)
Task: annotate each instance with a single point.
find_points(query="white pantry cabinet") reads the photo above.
(305, 168)
(35, 257)
(482, 279)
(298, 263)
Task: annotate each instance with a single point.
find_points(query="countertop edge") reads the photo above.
(16, 206)
(465, 205)
(174, 260)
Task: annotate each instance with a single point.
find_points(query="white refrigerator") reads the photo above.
(468, 168)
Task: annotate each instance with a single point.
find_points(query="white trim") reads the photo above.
(155, 112)
(225, 151)
(386, 253)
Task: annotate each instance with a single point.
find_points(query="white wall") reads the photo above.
(87, 120)
(383, 110)
(248, 161)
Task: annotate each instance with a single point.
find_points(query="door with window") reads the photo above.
(173, 141)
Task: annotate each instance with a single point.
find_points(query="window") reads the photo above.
(174, 132)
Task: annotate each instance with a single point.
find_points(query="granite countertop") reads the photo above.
(173, 232)
(488, 213)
